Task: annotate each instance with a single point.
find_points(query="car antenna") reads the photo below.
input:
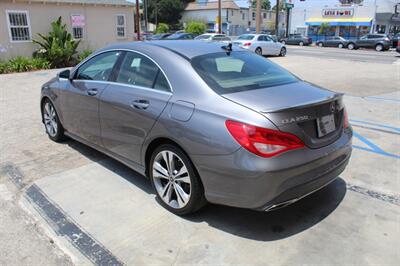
(227, 48)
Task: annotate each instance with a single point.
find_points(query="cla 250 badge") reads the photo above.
(295, 119)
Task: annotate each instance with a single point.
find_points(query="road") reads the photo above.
(361, 55)
(67, 203)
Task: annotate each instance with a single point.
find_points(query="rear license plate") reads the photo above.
(325, 125)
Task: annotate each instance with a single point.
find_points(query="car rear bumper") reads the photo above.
(248, 181)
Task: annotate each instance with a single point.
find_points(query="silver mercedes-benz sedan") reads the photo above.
(205, 122)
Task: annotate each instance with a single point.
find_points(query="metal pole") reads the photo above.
(258, 16)
(219, 16)
(287, 22)
(277, 18)
(145, 15)
(137, 20)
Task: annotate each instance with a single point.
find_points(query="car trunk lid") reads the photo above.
(298, 108)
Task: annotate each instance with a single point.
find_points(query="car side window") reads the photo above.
(138, 70)
(261, 38)
(98, 67)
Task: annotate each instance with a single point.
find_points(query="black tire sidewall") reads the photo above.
(283, 51)
(60, 130)
(260, 51)
(197, 199)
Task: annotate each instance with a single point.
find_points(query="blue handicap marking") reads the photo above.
(372, 147)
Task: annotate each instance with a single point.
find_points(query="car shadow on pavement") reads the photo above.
(250, 224)
(277, 224)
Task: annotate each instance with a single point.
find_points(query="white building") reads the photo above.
(344, 19)
(237, 16)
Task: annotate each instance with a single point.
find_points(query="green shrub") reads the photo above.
(162, 28)
(84, 54)
(58, 47)
(22, 64)
(196, 27)
(3, 67)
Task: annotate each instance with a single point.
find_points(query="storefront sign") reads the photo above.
(338, 13)
(78, 20)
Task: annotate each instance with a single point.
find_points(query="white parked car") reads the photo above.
(213, 37)
(261, 44)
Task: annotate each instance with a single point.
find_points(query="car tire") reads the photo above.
(283, 42)
(379, 47)
(340, 45)
(258, 51)
(52, 124)
(351, 46)
(184, 193)
(301, 43)
(283, 51)
(320, 44)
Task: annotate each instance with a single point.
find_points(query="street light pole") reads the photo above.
(277, 18)
(137, 20)
(219, 16)
(258, 17)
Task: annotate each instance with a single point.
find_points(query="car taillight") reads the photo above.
(247, 44)
(346, 119)
(262, 141)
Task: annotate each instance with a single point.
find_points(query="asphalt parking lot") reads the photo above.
(68, 204)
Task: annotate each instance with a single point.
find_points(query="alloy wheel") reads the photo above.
(351, 46)
(301, 43)
(379, 47)
(258, 51)
(283, 51)
(171, 179)
(340, 45)
(320, 44)
(50, 119)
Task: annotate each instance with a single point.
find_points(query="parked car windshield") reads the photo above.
(246, 37)
(203, 37)
(239, 71)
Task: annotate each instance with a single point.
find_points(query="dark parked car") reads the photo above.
(160, 36)
(204, 121)
(296, 39)
(181, 36)
(395, 40)
(335, 41)
(398, 47)
(379, 42)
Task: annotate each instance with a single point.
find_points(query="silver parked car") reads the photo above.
(205, 122)
(261, 44)
(213, 37)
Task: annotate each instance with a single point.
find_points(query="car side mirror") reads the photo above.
(64, 74)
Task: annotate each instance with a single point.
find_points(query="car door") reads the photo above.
(273, 47)
(363, 41)
(80, 102)
(130, 106)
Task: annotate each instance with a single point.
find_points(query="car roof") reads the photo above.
(185, 48)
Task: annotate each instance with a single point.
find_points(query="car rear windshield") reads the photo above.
(246, 37)
(239, 71)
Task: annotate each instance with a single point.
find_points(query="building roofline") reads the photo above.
(80, 2)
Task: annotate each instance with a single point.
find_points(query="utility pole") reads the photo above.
(277, 18)
(258, 17)
(145, 14)
(219, 16)
(137, 20)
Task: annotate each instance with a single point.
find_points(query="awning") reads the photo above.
(339, 21)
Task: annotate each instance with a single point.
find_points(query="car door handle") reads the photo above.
(140, 104)
(92, 92)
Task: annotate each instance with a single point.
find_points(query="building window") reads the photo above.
(18, 26)
(254, 15)
(243, 16)
(232, 12)
(77, 32)
(264, 15)
(121, 26)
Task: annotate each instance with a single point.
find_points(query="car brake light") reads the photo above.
(263, 142)
(247, 44)
(346, 119)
